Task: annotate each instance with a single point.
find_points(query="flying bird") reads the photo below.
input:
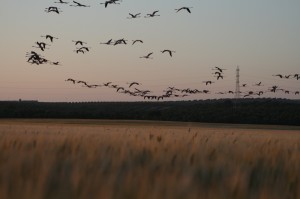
(110, 2)
(133, 83)
(71, 80)
(109, 42)
(134, 16)
(278, 75)
(49, 37)
(219, 69)
(184, 8)
(61, 2)
(258, 84)
(78, 42)
(208, 82)
(152, 14)
(77, 4)
(168, 51)
(53, 9)
(135, 41)
(147, 56)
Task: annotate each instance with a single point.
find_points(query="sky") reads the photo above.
(262, 37)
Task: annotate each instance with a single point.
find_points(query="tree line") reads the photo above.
(241, 111)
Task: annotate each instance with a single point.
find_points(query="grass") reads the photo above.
(93, 159)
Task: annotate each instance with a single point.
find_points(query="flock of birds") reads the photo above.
(35, 58)
(133, 88)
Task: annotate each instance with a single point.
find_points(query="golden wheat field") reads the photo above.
(105, 159)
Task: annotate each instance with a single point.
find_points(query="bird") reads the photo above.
(55, 63)
(120, 88)
(208, 82)
(244, 85)
(41, 45)
(78, 42)
(249, 94)
(278, 75)
(260, 93)
(220, 76)
(219, 69)
(71, 80)
(77, 4)
(258, 84)
(153, 14)
(109, 2)
(49, 37)
(109, 42)
(53, 9)
(184, 8)
(61, 2)
(120, 41)
(168, 51)
(135, 41)
(133, 83)
(79, 51)
(107, 84)
(147, 56)
(287, 76)
(134, 16)
(273, 89)
(82, 82)
(297, 76)
(84, 48)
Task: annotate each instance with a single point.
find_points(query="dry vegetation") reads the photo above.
(48, 160)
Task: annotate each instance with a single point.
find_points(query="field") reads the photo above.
(122, 159)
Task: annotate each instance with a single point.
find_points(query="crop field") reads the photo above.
(108, 159)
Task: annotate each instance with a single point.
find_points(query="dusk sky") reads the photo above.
(262, 37)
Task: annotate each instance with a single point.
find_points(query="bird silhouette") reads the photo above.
(260, 93)
(120, 41)
(77, 4)
(109, 42)
(219, 69)
(106, 3)
(279, 75)
(208, 82)
(84, 48)
(107, 84)
(78, 42)
(61, 2)
(133, 83)
(55, 63)
(49, 37)
(79, 51)
(168, 51)
(152, 14)
(134, 16)
(184, 8)
(258, 84)
(287, 76)
(53, 9)
(147, 56)
(71, 80)
(135, 41)
(41, 45)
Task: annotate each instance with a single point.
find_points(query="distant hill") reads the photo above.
(246, 111)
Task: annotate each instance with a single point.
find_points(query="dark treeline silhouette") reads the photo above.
(246, 111)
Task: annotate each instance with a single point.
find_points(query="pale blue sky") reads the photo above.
(261, 36)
